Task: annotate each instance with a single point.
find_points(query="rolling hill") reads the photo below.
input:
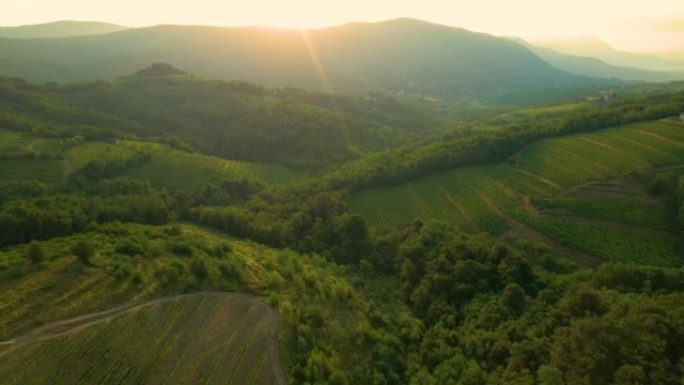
(59, 29)
(119, 273)
(177, 340)
(124, 317)
(233, 120)
(404, 55)
(510, 198)
(592, 67)
(166, 168)
(599, 49)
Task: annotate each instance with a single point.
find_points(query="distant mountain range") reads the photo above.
(403, 55)
(599, 49)
(59, 29)
(590, 66)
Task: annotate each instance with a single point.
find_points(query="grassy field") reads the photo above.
(207, 338)
(499, 197)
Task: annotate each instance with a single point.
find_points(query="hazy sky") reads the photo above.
(627, 24)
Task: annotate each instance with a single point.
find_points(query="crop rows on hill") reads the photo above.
(197, 339)
(80, 155)
(609, 243)
(13, 166)
(171, 168)
(606, 205)
(486, 198)
(43, 170)
(14, 143)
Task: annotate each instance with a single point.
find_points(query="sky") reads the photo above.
(638, 25)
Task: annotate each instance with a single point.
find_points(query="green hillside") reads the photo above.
(166, 168)
(112, 315)
(150, 233)
(507, 197)
(169, 168)
(183, 339)
(233, 120)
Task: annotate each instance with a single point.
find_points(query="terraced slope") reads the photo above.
(501, 199)
(14, 142)
(168, 168)
(172, 169)
(18, 159)
(207, 338)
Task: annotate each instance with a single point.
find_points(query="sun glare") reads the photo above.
(619, 21)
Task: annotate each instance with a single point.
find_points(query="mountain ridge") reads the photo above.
(603, 51)
(59, 29)
(593, 67)
(401, 55)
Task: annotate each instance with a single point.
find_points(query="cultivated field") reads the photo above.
(171, 168)
(207, 338)
(500, 198)
(168, 168)
(14, 142)
(14, 165)
(43, 170)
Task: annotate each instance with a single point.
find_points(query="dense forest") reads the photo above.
(424, 303)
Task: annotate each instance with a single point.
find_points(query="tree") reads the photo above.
(36, 253)
(513, 298)
(549, 375)
(84, 251)
(630, 375)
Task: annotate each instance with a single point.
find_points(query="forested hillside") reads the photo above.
(234, 120)
(381, 236)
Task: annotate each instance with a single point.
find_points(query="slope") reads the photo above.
(509, 197)
(234, 120)
(65, 320)
(32, 157)
(173, 340)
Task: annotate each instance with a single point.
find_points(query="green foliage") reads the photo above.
(36, 253)
(84, 251)
(582, 334)
(427, 303)
(234, 120)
